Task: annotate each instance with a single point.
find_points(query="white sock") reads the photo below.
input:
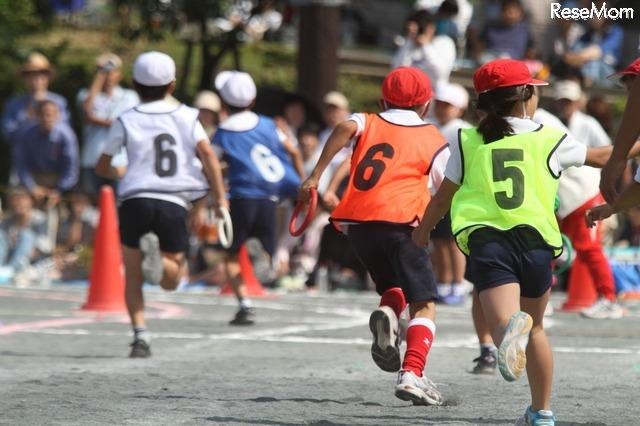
(245, 303)
(458, 289)
(444, 289)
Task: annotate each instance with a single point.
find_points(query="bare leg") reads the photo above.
(498, 305)
(233, 272)
(133, 290)
(458, 261)
(174, 268)
(479, 323)
(441, 262)
(539, 355)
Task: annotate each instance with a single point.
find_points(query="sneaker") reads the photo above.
(151, 258)
(419, 390)
(486, 362)
(385, 349)
(512, 357)
(454, 299)
(140, 349)
(244, 316)
(604, 309)
(536, 418)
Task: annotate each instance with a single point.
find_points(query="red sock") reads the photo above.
(394, 298)
(419, 338)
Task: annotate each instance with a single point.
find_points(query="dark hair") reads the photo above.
(423, 18)
(308, 129)
(151, 93)
(498, 104)
(507, 3)
(43, 103)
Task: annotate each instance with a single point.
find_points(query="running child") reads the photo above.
(391, 166)
(500, 183)
(260, 172)
(163, 141)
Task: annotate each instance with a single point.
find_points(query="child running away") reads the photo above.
(163, 141)
(394, 156)
(500, 182)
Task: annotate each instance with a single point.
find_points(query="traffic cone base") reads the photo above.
(582, 290)
(253, 286)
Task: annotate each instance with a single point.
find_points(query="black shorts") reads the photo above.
(165, 219)
(394, 260)
(442, 229)
(253, 218)
(516, 256)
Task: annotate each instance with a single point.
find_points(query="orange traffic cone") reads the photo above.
(253, 286)
(582, 290)
(106, 281)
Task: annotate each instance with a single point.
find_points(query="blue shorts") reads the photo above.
(253, 218)
(515, 256)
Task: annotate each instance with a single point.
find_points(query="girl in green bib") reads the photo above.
(500, 183)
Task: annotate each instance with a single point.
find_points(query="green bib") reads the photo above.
(507, 184)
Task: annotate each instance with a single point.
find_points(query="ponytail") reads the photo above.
(498, 104)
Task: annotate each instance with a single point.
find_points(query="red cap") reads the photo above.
(406, 87)
(632, 69)
(503, 73)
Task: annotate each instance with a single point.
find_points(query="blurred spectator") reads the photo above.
(630, 235)
(208, 103)
(23, 230)
(47, 155)
(433, 54)
(294, 114)
(508, 37)
(598, 52)
(308, 142)
(601, 109)
(20, 110)
(100, 105)
(560, 38)
(335, 109)
(265, 20)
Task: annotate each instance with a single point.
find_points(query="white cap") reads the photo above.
(453, 94)
(567, 89)
(336, 99)
(206, 99)
(154, 69)
(236, 88)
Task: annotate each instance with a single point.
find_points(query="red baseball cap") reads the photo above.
(503, 73)
(406, 87)
(632, 69)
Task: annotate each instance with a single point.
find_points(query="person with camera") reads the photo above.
(100, 104)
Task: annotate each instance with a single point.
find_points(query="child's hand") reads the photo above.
(331, 199)
(600, 212)
(303, 192)
(420, 237)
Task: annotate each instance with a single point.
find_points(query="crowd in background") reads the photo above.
(50, 213)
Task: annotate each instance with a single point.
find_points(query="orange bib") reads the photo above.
(389, 174)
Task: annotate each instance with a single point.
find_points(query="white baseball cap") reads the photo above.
(154, 69)
(206, 99)
(567, 89)
(453, 94)
(236, 88)
(336, 99)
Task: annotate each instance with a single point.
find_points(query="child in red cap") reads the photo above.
(395, 154)
(500, 183)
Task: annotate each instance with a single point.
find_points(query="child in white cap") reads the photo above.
(159, 184)
(259, 173)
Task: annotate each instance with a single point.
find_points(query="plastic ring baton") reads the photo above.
(225, 228)
(567, 257)
(313, 203)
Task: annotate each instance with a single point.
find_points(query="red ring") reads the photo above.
(313, 202)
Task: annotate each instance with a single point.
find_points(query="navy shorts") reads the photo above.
(394, 260)
(516, 256)
(165, 219)
(442, 230)
(253, 218)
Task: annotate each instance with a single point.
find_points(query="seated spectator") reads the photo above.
(560, 38)
(601, 109)
(598, 52)
(23, 232)
(100, 105)
(509, 37)
(208, 103)
(433, 54)
(47, 155)
(308, 142)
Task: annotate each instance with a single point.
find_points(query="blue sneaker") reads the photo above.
(536, 418)
(512, 357)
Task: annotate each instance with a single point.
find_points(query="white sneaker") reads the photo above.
(604, 309)
(152, 267)
(385, 349)
(512, 357)
(419, 390)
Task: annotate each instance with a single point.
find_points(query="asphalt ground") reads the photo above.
(307, 361)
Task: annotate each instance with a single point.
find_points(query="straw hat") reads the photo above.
(36, 62)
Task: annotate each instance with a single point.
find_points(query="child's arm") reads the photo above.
(330, 198)
(598, 157)
(436, 209)
(213, 171)
(106, 170)
(338, 140)
(630, 197)
(296, 157)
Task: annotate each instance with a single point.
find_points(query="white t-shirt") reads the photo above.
(436, 59)
(568, 154)
(405, 117)
(587, 130)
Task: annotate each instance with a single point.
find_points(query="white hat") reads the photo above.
(567, 89)
(453, 94)
(206, 99)
(236, 88)
(154, 69)
(336, 99)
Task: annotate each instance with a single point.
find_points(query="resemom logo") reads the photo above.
(601, 11)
